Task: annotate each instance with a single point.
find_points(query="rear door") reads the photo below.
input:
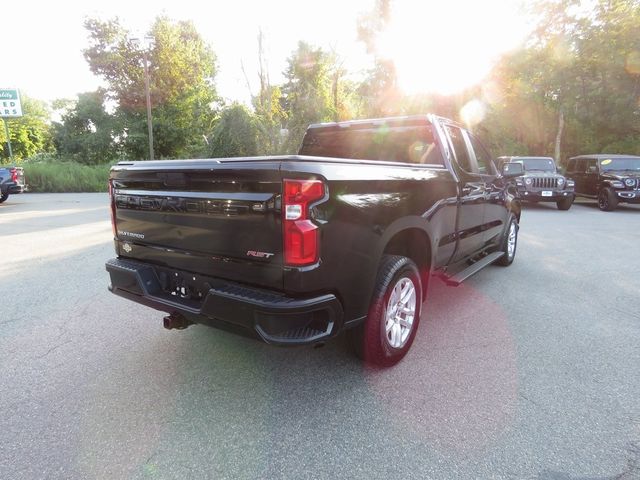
(579, 175)
(571, 169)
(213, 217)
(591, 177)
(473, 195)
(495, 212)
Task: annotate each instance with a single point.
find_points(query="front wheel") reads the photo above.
(394, 314)
(4, 196)
(565, 203)
(607, 200)
(509, 243)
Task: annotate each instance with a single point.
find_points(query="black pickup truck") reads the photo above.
(294, 249)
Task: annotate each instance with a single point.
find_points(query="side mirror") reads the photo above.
(512, 169)
(592, 169)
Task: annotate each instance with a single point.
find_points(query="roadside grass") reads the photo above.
(60, 177)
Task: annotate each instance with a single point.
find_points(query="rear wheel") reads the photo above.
(394, 314)
(4, 196)
(607, 200)
(509, 243)
(565, 203)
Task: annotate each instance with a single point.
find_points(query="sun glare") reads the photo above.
(446, 47)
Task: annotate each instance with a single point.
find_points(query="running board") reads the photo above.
(460, 277)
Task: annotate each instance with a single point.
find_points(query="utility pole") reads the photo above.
(148, 95)
(146, 45)
(6, 131)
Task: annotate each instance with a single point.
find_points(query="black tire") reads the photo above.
(370, 339)
(508, 258)
(565, 203)
(607, 200)
(4, 196)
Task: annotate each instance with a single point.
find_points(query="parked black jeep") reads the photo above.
(542, 182)
(612, 179)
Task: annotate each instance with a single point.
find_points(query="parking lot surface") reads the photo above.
(526, 372)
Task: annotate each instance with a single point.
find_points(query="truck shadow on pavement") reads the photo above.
(226, 397)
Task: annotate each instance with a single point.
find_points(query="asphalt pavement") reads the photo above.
(525, 372)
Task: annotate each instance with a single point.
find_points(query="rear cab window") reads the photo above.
(403, 144)
(483, 158)
(460, 150)
(470, 154)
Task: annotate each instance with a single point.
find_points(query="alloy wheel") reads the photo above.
(400, 313)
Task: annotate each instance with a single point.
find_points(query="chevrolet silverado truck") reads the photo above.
(542, 182)
(294, 249)
(11, 182)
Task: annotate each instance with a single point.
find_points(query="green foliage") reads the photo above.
(270, 118)
(66, 176)
(87, 132)
(30, 134)
(579, 63)
(628, 145)
(346, 102)
(235, 134)
(574, 86)
(307, 92)
(378, 92)
(370, 24)
(181, 70)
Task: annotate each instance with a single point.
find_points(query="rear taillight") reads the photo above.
(14, 175)
(300, 233)
(112, 206)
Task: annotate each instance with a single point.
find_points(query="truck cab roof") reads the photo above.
(400, 121)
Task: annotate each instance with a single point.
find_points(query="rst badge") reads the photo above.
(256, 254)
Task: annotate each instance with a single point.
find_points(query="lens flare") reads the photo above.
(432, 56)
(473, 112)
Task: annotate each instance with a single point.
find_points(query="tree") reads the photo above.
(235, 134)
(307, 91)
(270, 120)
(87, 133)
(31, 133)
(379, 90)
(574, 87)
(606, 100)
(182, 69)
(270, 115)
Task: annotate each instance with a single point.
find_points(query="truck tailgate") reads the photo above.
(218, 218)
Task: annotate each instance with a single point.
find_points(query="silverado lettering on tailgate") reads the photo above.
(181, 205)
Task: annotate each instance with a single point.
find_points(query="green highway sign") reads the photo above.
(10, 106)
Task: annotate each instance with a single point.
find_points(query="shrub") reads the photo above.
(60, 176)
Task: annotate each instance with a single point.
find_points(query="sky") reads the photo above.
(43, 41)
